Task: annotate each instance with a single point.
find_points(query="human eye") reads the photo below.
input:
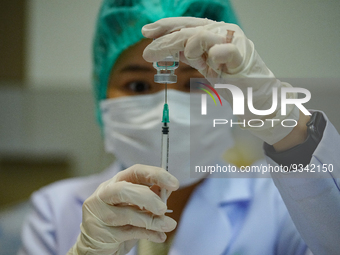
(138, 87)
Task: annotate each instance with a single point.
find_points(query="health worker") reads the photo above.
(119, 211)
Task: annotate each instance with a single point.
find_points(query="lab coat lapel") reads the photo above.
(204, 231)
(205, 227)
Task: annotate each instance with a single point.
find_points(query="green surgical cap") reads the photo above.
(120, 22)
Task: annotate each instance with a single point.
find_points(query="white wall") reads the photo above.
(294, 38)
(44, 124)
(59, 42)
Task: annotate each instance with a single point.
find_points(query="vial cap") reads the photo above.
(165, 78)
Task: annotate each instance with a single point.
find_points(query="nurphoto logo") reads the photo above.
(238, 101)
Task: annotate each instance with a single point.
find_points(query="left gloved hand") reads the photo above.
(123, 210)
(203, 45)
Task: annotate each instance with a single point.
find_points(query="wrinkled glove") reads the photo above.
(202, 44)
(123, 210)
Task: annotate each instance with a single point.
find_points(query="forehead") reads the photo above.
(133, 54)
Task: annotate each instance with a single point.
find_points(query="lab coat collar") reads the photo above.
(220, 191)
(205, 227)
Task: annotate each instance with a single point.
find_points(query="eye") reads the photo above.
(138, 87)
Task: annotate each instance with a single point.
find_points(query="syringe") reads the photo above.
(166, 74)
(165, 140)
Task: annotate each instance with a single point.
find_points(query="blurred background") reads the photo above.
(47, 126)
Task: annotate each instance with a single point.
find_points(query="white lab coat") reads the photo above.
(223, 216)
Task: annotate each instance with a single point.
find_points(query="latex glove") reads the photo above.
(123, 210)
(202, 44)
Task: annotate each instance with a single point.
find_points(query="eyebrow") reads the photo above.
(136, 68)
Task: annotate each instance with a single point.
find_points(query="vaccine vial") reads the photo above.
(166, 69)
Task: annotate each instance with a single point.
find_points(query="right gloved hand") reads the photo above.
(123, 210)
(206, 46)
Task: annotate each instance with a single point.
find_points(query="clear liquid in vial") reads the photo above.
(166, 69)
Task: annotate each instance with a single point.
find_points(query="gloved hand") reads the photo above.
(123, 210)
(202, 44)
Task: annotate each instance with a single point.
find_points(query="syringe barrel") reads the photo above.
(165, 150)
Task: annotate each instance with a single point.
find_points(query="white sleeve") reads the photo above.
(314, 202)
(38, 233)
(308, 253)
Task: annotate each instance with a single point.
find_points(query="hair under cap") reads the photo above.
(119, 25)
